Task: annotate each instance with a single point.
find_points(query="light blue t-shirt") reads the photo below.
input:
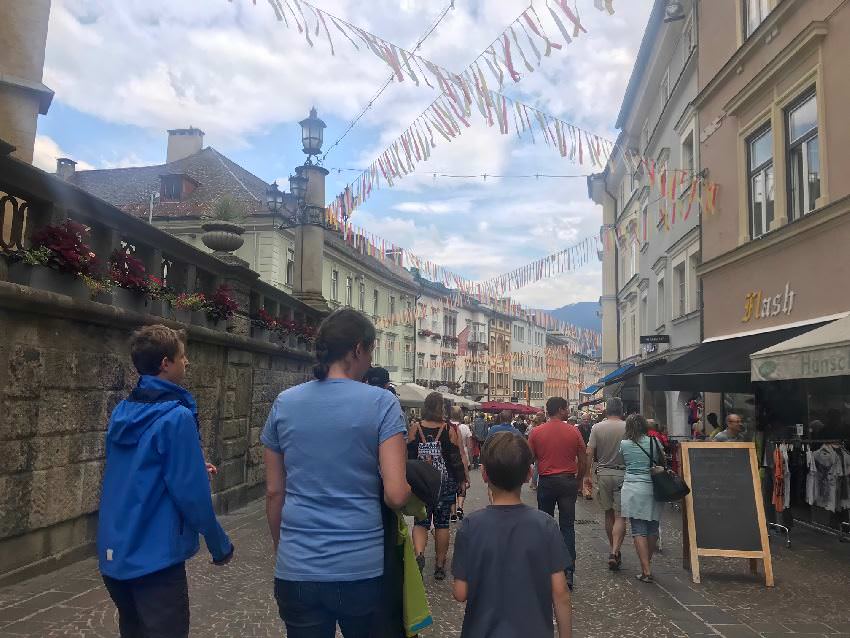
(329, 433)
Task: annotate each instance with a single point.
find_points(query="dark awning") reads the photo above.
(635, 370)
(718, 366)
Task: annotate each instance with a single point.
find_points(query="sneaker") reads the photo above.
(460, 513)
(453, 518)
(439, 573)
(420, 560)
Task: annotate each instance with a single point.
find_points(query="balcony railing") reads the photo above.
(31, 199)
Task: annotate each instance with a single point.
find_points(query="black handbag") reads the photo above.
(667, 486)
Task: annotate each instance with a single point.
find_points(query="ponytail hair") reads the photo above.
(340, 333)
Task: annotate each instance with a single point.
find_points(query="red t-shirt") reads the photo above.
(557, 445)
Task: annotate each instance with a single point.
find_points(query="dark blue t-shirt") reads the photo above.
(507, 555)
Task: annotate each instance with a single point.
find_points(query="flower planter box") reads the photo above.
(45, 278)
(199, 318)
(259, 332)
(130, 300)
(182, 315)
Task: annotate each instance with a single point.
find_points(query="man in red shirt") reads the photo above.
(560, 452)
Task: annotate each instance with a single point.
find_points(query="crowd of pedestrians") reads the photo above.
(339, 454)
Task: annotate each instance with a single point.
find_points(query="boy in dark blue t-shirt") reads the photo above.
(509, 559)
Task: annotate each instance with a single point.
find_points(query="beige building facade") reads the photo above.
(773, 101)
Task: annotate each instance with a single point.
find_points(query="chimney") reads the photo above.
(184, 142)
(65, 168)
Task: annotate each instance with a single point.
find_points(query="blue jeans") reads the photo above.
(313, 609)
(561, 490)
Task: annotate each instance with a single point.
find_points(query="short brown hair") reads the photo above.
(506, 458)
(433, 409)
(151, 344)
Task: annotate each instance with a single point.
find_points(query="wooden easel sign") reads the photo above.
(725, 510)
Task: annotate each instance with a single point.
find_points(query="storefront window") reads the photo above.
(744, 405)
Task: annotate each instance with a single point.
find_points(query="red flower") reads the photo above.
(67, 244)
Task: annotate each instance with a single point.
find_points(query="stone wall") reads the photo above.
(64, 365)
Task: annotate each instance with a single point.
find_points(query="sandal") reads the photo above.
(614, 561)
(645, 578)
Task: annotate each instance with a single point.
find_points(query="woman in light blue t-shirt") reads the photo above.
(638, 503)
(329, 445)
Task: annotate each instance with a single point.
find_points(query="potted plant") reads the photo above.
(221, 306)
(100, 288)
(223, 231)
(189, 308)
(131, 281)
(59, 255)
(262, 324)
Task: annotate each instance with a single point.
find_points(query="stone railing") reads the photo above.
(64, 365)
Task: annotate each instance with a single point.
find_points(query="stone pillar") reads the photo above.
(23, 32)
(310, 242)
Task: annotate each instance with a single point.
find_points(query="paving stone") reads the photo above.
(714, 615)
(735, 631)
(808, 628)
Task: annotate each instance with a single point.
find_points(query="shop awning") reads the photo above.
(614, 376)
(824, 352)
(592, 389)
(719, 366)
(411, 395)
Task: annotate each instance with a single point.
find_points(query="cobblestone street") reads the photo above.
(810, 597)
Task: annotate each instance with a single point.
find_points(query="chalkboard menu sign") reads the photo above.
(725, 511)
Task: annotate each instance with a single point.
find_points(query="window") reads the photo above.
(290, 266)
(693, 283)
(335, 285)
(624, 338)
(362, 296)
(634, 257)
(433, 369)
(375, 302)
(172, 188)
(755, 11)
(420, 364)
(661, 314)
(688, 153)
(803, 156)
(644, 221)
(392, 305)
(634, 334)
(665, 88)
(408, 356)
(760, 169)
(680, 290)
(644, 317)
(376, 353)
(348, 292)
(390, 351)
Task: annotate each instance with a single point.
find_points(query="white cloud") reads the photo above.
(47, 151)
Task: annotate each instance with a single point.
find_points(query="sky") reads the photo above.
(125, 72)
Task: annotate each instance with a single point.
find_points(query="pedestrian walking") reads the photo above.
(603, 449)
(156, 493)
(535, 474)
(561, 456)
(465, 433)
(509, 559)
(641, 453)
(439, 446)
(331, 444)
(503, 424)
(480, 428)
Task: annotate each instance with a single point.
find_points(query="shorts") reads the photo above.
(608, 488)
(644, 528)
(440, 516)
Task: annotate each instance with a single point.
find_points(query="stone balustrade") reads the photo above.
(64, 365)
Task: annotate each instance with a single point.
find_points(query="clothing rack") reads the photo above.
(844, 532)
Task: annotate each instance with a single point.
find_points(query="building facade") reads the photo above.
(528, 361)
(557, 358)
(500, 383)
(651, 255)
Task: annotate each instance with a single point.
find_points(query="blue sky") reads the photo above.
(124, 72)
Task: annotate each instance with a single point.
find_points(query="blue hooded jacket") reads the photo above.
(156, 493)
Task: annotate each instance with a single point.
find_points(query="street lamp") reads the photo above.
(298, 185)
(312, 134)
(274, 197)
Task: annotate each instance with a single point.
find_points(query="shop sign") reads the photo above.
(757, 305)
(814, 364)
(655, 338)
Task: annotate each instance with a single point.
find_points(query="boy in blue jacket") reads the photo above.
(156, 493)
